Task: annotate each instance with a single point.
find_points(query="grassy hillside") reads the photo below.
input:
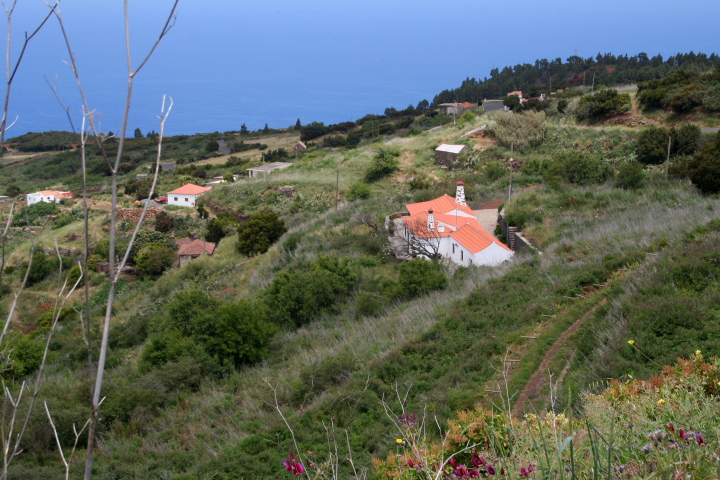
(618, 260)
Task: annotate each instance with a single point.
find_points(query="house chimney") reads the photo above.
(460, 193)
(431, 220)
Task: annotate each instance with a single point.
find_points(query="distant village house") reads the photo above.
(192, 248)
(267, 168)
(456, 108)
(447, 227)
(493, 106)
(48, 196)
(187, 195)
(448, 155)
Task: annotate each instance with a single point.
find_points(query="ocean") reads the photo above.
(232, 62)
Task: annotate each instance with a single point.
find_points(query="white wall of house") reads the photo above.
(491, 256)
(182, 200)
(37, 197)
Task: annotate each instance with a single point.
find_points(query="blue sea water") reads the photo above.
(228, 62)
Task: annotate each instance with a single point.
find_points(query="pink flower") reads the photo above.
(682, 433)
(526, 472)
(477, 460)
(292, 465)
(461, 471)
(699, 438)
(490, 469)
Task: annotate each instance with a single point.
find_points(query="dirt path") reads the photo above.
(536, 383)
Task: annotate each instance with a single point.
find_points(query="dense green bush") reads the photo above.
(41, 267)
(259, 232)
(24, 353)
(214, 231)
(652, 146)
(359, 191)
(301, 294)
(602, 105)
(164, 222)
(419, 277)
(686, 139)
(196, 325)
(153, 259)
(384, 163)
(630, 175)
(705, 167)
(580, 169)
(35, 214)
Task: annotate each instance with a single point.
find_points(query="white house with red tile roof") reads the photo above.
(187, 195)
(448, 228)
(48, 196)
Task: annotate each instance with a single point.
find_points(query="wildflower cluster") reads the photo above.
(293, 466)
(480, 467)
(671, 438)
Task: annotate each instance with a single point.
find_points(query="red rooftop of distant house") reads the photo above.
(55, 193)
(194, 247)
(190, 189)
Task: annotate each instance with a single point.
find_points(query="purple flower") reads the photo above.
(526, 472)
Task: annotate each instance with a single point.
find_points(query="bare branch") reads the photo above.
(287, 425)
(65, 108)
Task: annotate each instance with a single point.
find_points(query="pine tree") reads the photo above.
(243, 129)
(298, 125)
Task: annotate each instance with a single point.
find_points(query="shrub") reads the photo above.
(601, 105)
(42, 266)
(164, 222)
(652, 145)
(580, 169)
(705, 167)
(214, 231)
(630, 175)
(519, 130)
(24, 355)
(297, 296)
(419, 277)
(212, 146)
(145, 238)
(384, 164)
(494, 170)
(686, 139)
(359, 191)
(232, 334)
(153, 259)
(259, 232)
(34, 214)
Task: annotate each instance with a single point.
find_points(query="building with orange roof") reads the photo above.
(48, 196)
(187, 195)
(191, 248)
(447, 227)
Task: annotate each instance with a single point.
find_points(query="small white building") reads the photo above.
(448, 228)
(48, 196)
(187, 195)
(267, 168)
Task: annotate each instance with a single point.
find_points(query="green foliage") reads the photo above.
(602, 105)
(232, 334)
(212, 146)
(682, 91)
(12, 191)
(686, 139)
(494, 170)
(259, 232)
(705, 167)
(630, 175)
(359, 191)
(419, 277)
(299, 295)
(512, 102)
(23, 355)
(164, 222)
(35, 214)
(384, 163)
(145, 238)
(562, 105)
(519, 130)
(581, 169)
(42, 266)
(652, 146)
(153, 259)
(214, 231)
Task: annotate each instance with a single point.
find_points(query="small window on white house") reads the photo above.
(453, 248)
(462, 257)
(187, 199)
(175, 199)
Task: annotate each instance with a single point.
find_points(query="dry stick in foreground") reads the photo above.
(12, 69)
(115, 276)
(115, 272)
(11, 441)
(3, 240)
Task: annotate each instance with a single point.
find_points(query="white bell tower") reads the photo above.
(460, 193)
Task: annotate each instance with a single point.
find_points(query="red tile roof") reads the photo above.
(466, 230)
(56, 193)
(444, 204)
(190, 189)
(194, 248)
(475, 238)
